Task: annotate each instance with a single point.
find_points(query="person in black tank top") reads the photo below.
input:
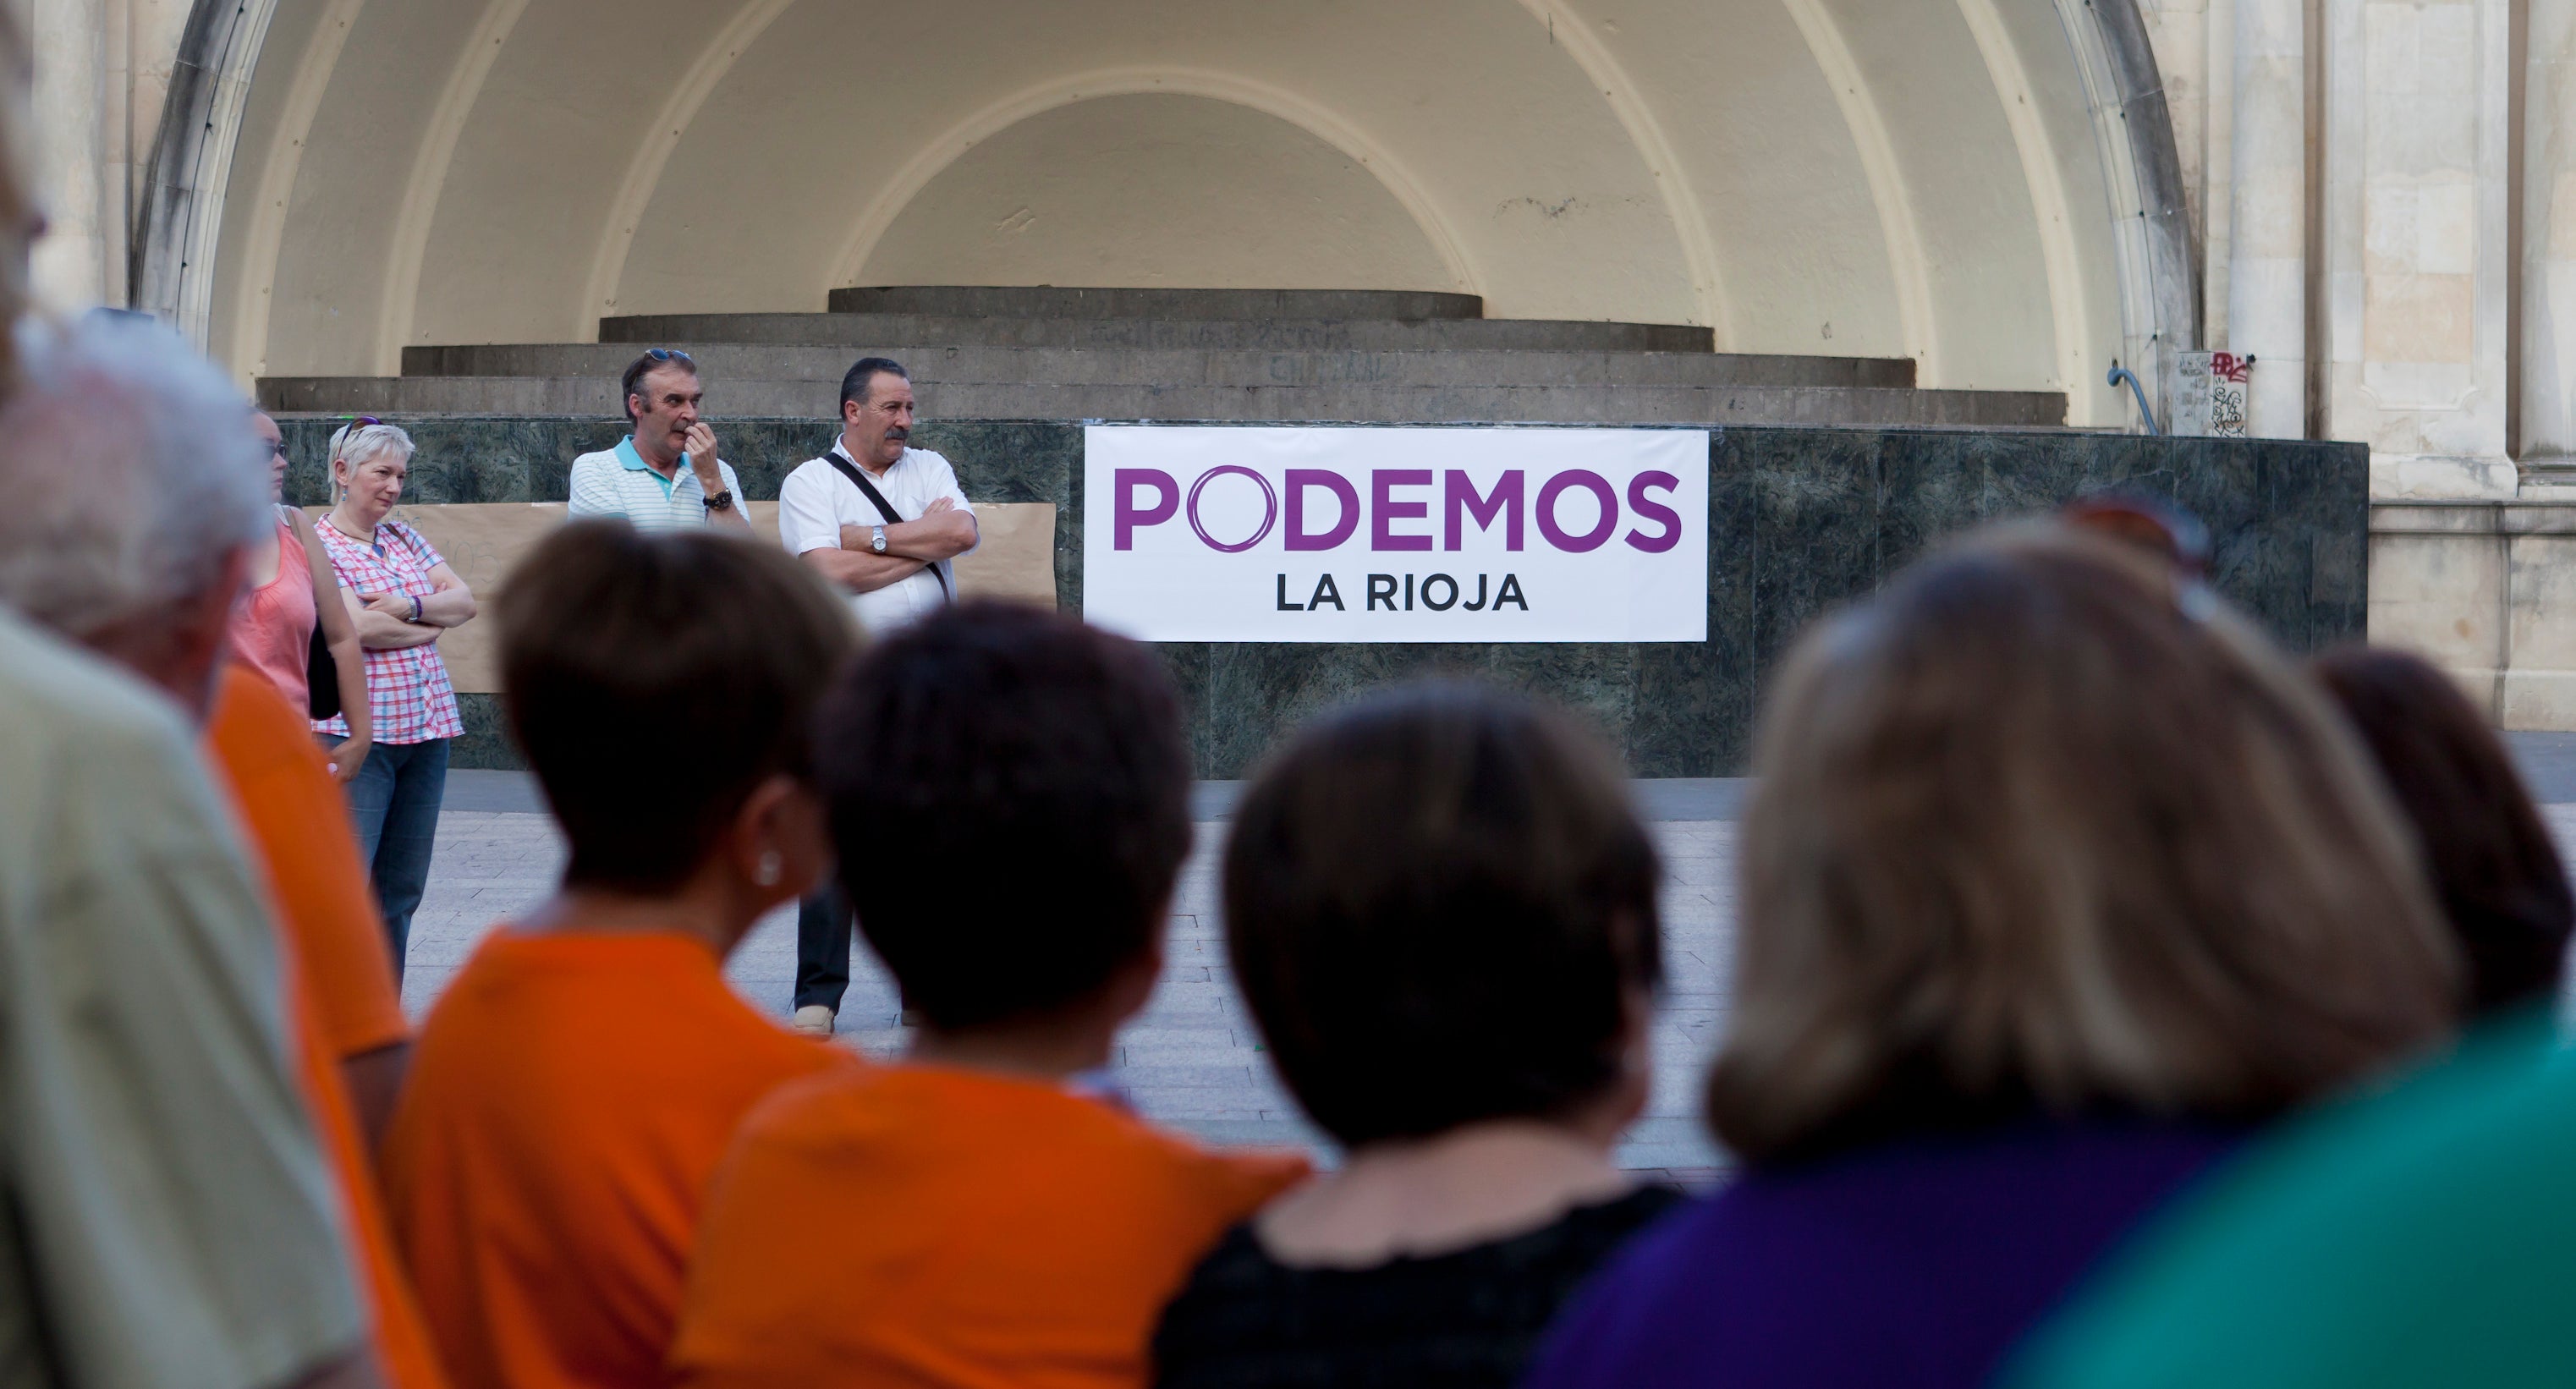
(1465, 1318)
(1441, 909)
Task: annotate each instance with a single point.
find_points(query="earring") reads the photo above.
(767, 874)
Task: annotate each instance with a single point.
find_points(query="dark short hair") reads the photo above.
(654, 681)
(1010, 796)
(635, 370)
(1438, 903)
(854, 382)
(2492, 862)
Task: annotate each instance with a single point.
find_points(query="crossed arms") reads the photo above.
(943, 532)
(384, 619)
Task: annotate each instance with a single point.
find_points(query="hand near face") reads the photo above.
(702, 451)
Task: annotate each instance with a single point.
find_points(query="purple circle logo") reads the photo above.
(1269, 513)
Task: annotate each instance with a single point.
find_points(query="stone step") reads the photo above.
(1124, 366)
(1337, 403)
(1054, 301)
(864, 331)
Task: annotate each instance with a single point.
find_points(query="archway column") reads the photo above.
(2548, 366)
(2417, 131)
(2267, 253)
(80, 108)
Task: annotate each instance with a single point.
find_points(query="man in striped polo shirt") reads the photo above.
(665, 475)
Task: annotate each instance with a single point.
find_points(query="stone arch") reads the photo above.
(1762, 166)
(939, 153)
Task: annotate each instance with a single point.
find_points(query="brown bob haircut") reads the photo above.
(2494, 867)
(1440, 906)
(654, 681)
(1010, 795)
(2033, 835)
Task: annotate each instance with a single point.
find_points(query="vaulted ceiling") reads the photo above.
(1922, 178)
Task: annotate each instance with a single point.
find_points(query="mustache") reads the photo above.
(898, 432)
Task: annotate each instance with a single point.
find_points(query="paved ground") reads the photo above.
(1193, 1059)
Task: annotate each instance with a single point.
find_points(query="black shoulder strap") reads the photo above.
(877, 499)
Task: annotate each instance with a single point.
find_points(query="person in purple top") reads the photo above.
(2056, 881)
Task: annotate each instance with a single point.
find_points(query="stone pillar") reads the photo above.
(2267, 258)
(78, 129)
(2417, 134)
(2549, 245)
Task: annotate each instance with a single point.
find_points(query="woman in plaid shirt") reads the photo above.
(404, 598)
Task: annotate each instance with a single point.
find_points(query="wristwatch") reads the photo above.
(721, 501)
(876, 539)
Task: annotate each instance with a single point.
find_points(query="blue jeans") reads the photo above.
(395, 801)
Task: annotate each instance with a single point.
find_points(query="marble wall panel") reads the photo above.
(1802, 520)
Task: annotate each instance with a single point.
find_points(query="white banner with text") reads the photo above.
(1400, 533)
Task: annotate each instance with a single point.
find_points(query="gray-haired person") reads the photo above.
(664, 475)
(403, 596)
(165, 1214)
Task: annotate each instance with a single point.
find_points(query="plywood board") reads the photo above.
(482, 542)
(1017, 557)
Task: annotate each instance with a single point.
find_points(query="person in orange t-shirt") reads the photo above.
(339, 982)
(576, 1085)
(970, 1218)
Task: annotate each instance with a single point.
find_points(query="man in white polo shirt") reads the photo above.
(665, 475)
(882, 521)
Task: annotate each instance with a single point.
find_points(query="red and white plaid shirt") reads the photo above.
(407, 690)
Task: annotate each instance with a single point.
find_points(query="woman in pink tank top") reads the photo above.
(272, 628)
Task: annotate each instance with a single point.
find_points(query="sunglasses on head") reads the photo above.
(2170, 532)
(348, 432)
(669, 354)
(2162, 529)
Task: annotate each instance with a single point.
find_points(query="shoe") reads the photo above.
(813, 1020)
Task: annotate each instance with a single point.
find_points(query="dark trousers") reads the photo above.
(823, 923)
(395, 799)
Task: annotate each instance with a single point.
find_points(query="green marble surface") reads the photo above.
(1800, 521)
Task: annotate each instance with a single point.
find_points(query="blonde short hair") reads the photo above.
(2040, 830)
(358, 445)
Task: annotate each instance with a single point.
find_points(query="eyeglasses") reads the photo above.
(359, 422)
(670, 354)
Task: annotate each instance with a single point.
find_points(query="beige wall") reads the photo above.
(2487, 590)
(1157, 189)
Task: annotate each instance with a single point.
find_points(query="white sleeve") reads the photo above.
(948, 488)
(806, 517)
(590, 495)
